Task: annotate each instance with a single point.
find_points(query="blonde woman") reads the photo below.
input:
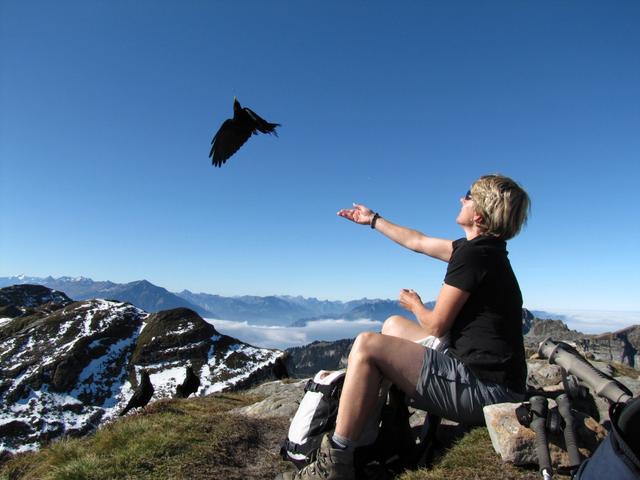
(479, 306)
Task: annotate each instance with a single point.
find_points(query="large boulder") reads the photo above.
(282, 399)
(515, 443)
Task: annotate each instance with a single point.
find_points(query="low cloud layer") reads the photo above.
(594, 321)
(285, 337)
(585, 321)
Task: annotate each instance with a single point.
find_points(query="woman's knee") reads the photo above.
(364, 345)
(393, 325)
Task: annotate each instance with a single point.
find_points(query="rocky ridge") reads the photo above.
(620, 346)
(68, 367)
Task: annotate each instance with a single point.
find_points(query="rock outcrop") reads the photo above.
(24, 300)
(69, 367)
(306, 361)
(620, 346)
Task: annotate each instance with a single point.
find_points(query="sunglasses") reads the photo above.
(468, 195)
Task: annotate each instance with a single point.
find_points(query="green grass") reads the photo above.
(188, 439)
(198, 438)
(473, 458)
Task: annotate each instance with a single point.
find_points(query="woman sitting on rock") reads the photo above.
(479, 306)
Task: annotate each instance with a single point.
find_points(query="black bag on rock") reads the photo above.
(618, 456)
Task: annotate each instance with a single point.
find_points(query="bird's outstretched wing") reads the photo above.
(261, 124)
(227, 141)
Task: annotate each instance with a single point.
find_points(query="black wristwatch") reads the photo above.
(373, 220)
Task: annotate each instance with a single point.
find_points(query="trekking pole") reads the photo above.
(570, 359)
(539, 410)
(569, 431)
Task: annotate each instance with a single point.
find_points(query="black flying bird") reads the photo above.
(141, 395)
(235, 131)
(190, 385)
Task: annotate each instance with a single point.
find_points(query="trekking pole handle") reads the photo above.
(539, 410)
(569, 431)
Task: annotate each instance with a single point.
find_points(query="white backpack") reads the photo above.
(315, 416)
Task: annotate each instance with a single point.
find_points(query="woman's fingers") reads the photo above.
(346, 213)
(408, 298)
(352, 214)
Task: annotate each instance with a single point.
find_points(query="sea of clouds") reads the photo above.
(595, 321)
(585, 321)
(285, 337)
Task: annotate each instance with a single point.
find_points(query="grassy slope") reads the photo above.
(473, 458)
(190, 439)
(197, 438)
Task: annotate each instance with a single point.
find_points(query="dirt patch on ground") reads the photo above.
(250, 452)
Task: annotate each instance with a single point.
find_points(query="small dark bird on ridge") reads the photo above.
(235, 131)
(279, 368)
(141, 395)
(190, 385)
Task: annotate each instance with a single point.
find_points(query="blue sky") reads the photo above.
(108, 109)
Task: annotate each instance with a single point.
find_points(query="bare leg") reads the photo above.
(372, 358)
(399, 326)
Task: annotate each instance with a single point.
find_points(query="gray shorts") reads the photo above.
(449, 390)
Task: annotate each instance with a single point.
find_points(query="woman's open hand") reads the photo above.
(410, 300)
(358, 214)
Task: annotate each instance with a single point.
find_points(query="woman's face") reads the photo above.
(467, 211)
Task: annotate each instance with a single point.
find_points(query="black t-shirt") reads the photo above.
(487, 333)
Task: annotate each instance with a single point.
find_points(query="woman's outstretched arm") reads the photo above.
(407, 237)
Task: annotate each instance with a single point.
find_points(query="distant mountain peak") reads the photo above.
(140, 293)
(73, 279)
(145, 283)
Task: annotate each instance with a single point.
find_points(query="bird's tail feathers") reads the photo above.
(269, 128)
(273, 126)
(261, 124)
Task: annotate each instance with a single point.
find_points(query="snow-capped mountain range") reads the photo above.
(69, 367)
(281, 310)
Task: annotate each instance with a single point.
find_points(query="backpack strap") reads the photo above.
(331, 391)
(293, 447)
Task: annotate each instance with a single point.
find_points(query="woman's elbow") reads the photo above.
(438, 327)
(438, 331)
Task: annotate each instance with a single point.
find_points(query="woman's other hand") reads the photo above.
(358, 214)
(410, 300)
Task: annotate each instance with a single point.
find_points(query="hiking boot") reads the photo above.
(331, 464)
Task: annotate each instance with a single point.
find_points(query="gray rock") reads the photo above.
(282, 399)
(516, 443)
(542, 374)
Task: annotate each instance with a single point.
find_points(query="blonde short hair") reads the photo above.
(503, 205)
